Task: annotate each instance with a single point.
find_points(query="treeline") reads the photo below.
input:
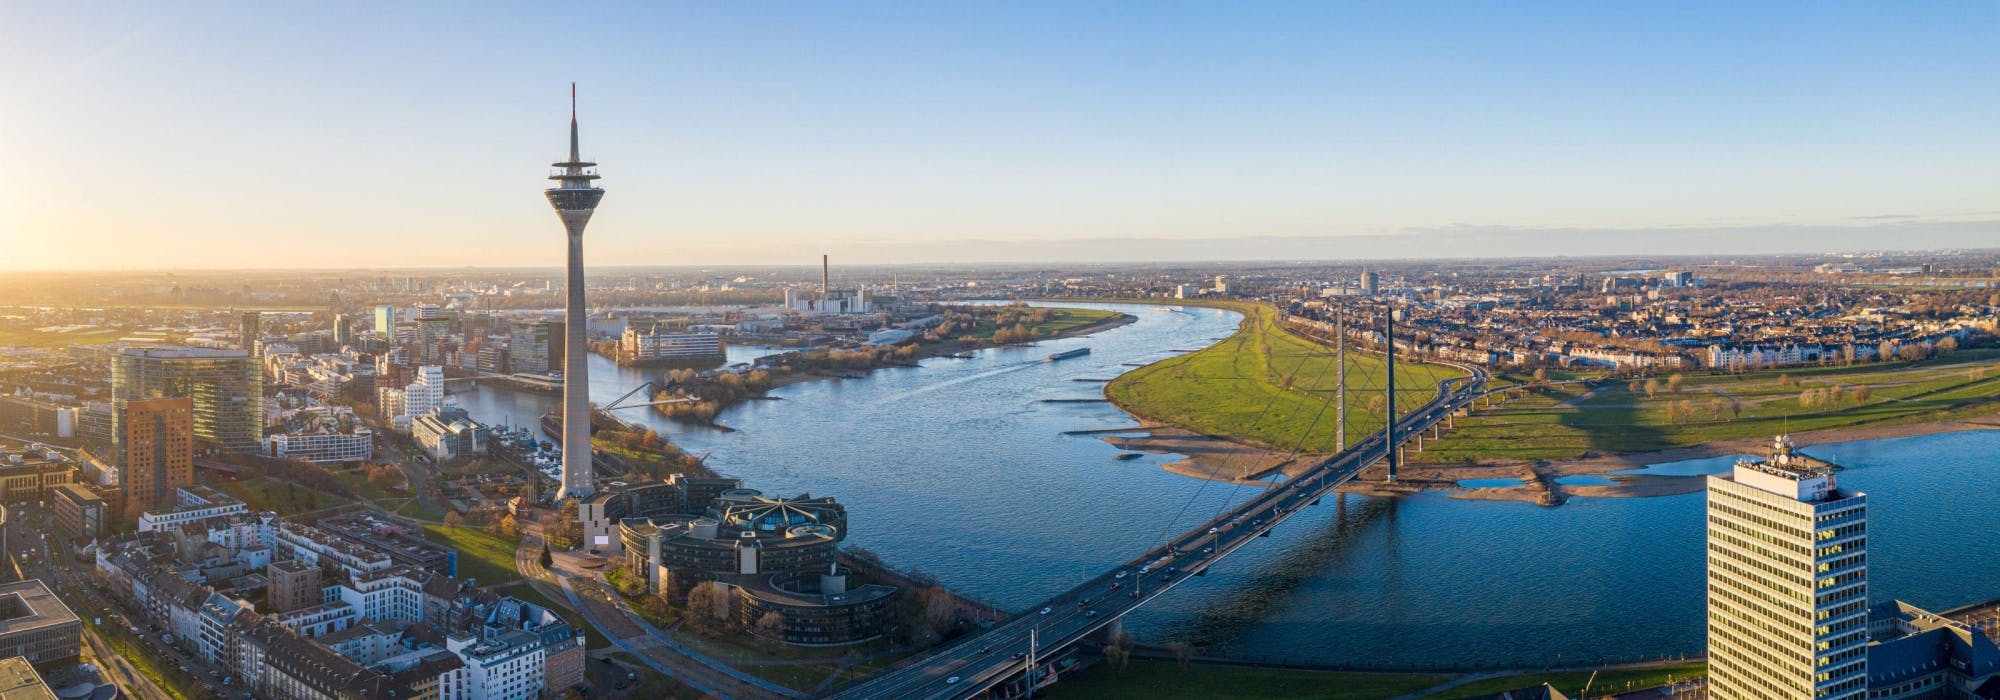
(714, 392)
(1013, 323)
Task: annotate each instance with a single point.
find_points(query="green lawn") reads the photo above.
(1061, 319)
(1162, 679)
(28, 337)
(481, 556)
(1224, 389)
(261, 493)
(1567, 421)
(1571, 682)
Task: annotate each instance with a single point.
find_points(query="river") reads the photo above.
(958, 468)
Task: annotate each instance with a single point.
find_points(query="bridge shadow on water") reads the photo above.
(1271, 585)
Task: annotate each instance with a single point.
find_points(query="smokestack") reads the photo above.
(825, 279)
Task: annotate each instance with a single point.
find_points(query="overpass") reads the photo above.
(1005, 659)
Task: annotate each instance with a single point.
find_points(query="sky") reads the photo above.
(149, 135)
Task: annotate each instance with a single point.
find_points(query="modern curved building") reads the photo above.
(778, 555)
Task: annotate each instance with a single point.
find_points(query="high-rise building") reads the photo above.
(385, 322)
(1369, 283)
(575, 198)
(432, 326)
(250, 327)
(528, 347)
(158, 452)
(226, 386)
(343, 331)
(1787, 581)
(405, 404)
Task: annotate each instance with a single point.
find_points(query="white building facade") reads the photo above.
(1787, 582)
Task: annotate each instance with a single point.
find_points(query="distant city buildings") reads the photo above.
(528, 347)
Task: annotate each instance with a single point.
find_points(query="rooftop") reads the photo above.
(30, 605)
(18, 681)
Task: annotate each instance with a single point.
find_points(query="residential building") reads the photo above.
(191, 504)
(1787, 581)
(224, 386)
(293, 585)
(158, 440)
(37, 625)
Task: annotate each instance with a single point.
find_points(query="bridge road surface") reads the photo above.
(978, 663)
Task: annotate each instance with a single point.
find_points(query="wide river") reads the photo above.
(960, 469)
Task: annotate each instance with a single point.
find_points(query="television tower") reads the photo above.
(575, 198)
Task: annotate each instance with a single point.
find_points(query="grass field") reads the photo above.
(28, 337)
(1161, 679)
(1572, 420)
(1571, 682)
(1224, 390)
(1060, 320)
(481, 556)
(260, 494)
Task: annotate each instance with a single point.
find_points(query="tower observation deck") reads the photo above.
(575, 198)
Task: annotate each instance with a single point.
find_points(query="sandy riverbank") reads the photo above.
(1208, 457)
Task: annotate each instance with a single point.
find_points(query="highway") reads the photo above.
(975, 664)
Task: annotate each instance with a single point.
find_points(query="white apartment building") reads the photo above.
(322, 447)
(390, 595)
(311, 546)
(192, 504)
(1787, 582)
(505, 667)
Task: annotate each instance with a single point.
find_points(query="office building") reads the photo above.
(32, 471)
(1370, 285)
(158, 437)
(225, 386)
(249, 329)
(575, 198)
(79, 511)
(403, 405)
(18, 681)
(528, 347)
(1787, 581)
(448, 433)
(37, 625)
(343, 331)
(658, 345)
(432, 327)
(385, 323)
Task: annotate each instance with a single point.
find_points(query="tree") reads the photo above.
(547, 559)
(1860, 394)
(1674, 382)
(1785, 381)
(454, 519)
(710, 606)
(770, 627)
(1183, 654)
(1652, 387)
(1541, 375)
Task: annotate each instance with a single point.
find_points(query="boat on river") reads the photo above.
(1066, 354)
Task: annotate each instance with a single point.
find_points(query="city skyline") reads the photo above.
(1027, 133)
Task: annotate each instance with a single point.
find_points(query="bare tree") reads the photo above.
(1674, 382)
(1652, 387)
(1183, 654)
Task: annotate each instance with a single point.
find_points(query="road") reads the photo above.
(980, 662)
(611, 617)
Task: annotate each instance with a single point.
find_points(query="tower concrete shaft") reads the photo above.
(575, 198)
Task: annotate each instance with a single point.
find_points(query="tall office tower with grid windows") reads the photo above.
(1787, 581)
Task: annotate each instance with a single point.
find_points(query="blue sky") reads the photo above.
(219, 135)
